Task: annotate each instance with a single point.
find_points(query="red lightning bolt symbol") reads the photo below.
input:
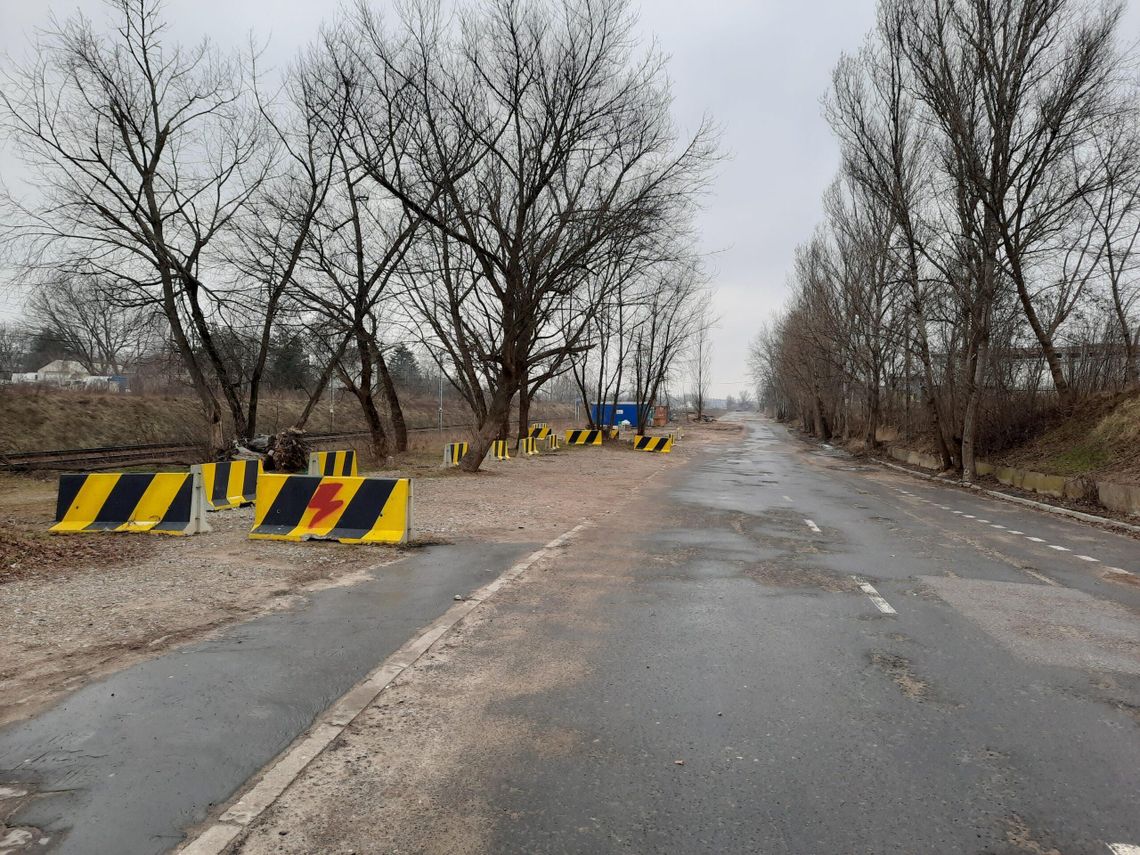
(324, 502)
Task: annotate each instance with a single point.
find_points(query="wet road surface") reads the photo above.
(124, 765)
(751, 693)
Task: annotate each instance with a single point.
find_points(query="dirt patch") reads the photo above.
(1019, 835)
(76, 607)
(899, 670)
(799, 577)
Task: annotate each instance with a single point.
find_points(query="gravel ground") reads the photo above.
(130, 597)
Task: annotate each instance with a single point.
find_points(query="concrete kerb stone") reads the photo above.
(1018, 500)
(287, 766)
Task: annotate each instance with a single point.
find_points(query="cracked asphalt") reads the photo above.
(706, 670)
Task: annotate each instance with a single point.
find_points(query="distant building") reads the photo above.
(68, 373)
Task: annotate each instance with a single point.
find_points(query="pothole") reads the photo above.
(899, 670)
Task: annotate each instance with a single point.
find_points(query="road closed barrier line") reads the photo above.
(660, 444)
(229, 483)
(336, 463)
(583, 437)
(345, 509)
(153, 502)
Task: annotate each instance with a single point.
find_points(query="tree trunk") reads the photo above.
(395, 411)
(970, 419)
(210, 406)
(498, 414)
(524, 410)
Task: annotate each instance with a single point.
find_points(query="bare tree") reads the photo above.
(700, 362)
(143, 153)
(530, 139)
(86, 316)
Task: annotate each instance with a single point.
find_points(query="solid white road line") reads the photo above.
(1123, 849)
(869, 589)
(812, 526)
(1040, 578)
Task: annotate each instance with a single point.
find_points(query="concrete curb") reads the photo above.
(1029, 503)
(287, 767)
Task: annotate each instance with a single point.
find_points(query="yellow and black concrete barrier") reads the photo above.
(613, 433)
(345, 509)
(340, 463)
(541, 431)
(528, 446)
(229, 483)
(583, 437)
(553, 443)
(500, 449)
(662, 444)
(155, 502)
(453, 452)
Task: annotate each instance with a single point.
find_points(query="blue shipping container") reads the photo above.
(612, 415)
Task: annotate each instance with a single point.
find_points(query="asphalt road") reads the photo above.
(750, 694)
(126, 764)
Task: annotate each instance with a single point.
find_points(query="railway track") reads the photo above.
(110, 456)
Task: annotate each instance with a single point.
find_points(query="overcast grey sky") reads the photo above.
(759, 67)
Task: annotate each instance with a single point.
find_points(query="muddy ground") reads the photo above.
(76, 607)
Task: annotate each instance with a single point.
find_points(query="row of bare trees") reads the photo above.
(501, 183)
(978, 258)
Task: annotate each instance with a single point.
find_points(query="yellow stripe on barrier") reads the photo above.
(229, 483)
(528, 446)
(552, 442)
(155, 502)
(500, 449)
(334, 463)
(661, 444)
(344, 509)
(538, 432)
(453, 452)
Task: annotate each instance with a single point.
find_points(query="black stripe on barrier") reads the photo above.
(573, 438)
(249, 481)
(122, 501)
(179, 510)
(330, 464)
(220, 493)
(68, 489)
(285, 513)
(365, 508)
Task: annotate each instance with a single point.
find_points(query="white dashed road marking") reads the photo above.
(787, 498)
(1123, 849)
(1059, 548)
(1035, 539)
(1086, 558)
(812, 526)
(869, 589)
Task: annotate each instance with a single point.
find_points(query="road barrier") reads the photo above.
(553, 443)
(155, 502)
(613, 433)
(662, 444)
(528, 446)
(583, 437)
(345, 509)
(538, 432)
(453, 452)
(500, 449)
(229, 483)
(338, 463)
